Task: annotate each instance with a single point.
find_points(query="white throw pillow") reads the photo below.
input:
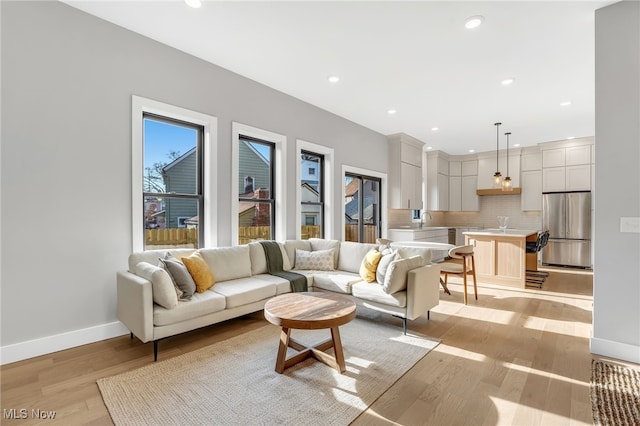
(164, 292)
(388, 256)
(320, 260)
(396, 277)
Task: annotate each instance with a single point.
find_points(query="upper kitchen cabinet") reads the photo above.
(463, 182)
(567, 165)
(437, 181)
(531, 179)
(405, 172)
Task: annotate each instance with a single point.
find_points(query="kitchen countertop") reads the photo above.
(507, 232)
(418, 228)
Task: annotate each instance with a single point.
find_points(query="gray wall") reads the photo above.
(616, 311)
(67, 81)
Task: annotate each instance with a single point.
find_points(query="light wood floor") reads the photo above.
(514, 357)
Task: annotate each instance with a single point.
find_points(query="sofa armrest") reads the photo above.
(135, 304)
(423, 290)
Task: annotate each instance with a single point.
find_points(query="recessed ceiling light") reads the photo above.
(472, 150)
(507, 81)
(473, 22)
(571, 137)
(391, 111)
(429, 148)
(565, 103)
(516, 145)
(193, 3)
(333, 79)
(435, 129)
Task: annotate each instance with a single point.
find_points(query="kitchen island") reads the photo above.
(501, 255)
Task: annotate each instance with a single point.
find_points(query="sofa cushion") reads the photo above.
(228, 263)
(151, 256)
(291, 246)
(320, 260)
(164, 292)
(179, 275)
(369, 265)
(396, 277)
(375, 293)
(282, 285)
(337, 281)
(242, 291)
(199, 305)
(322, 244)
(388, 256)
(351, 255)
(199, 271)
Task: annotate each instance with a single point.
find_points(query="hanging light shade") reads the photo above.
(506, 183)
(497, 176)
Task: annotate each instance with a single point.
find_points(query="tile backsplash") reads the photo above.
(491, 206)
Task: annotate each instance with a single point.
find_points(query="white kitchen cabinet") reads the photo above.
(531, 195)
(455, 168)
(455, 193)
(405, 172)
(437, 182)
(578, 178)
(410, 186)
(470, 201)
(470, 168)
(553, 179)
(530, 161)
(570, 178)
(553, 157)
(578, 155)
(433, 235)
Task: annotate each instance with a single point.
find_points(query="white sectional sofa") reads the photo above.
(242, 284)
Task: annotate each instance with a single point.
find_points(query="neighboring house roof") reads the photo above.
(250, 146)
(308, 187)
(179, 159)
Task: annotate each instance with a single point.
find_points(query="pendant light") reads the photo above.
(506, 183)
(497, 176)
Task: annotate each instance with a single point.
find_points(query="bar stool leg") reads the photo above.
(473, 270)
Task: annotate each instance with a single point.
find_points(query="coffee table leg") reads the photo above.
(285, 334)
(337, 348)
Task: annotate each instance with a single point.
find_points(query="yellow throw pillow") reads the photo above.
(199, 271)
(369, 265)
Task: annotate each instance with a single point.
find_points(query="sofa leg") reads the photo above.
(131, 335)
(428, 315)
(404, 326)
(155, 350)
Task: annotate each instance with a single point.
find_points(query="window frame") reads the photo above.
(141, 106)
(351, 170)
(327, 185)
(239, 130)
(320, 175)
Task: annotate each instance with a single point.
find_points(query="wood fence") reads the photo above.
(188, 237)
(170, 238)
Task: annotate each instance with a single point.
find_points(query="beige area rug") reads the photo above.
(615, 394)
(234, 383)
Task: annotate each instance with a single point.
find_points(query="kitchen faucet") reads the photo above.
(422, 217)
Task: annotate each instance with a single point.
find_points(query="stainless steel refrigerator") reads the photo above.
(567, 216)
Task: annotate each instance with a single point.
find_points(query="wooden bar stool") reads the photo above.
(456, 268)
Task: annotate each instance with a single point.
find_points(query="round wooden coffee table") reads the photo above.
(309, 311)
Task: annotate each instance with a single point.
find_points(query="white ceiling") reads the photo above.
(415, 57)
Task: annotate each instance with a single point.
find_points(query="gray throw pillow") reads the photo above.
(180, 275)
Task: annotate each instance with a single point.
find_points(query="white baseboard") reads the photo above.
(58, 342)
(611, 349)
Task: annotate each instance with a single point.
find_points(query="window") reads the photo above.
(173, 184)
(362, 208)
(312, 195)
(256, 199)
(172, 155)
